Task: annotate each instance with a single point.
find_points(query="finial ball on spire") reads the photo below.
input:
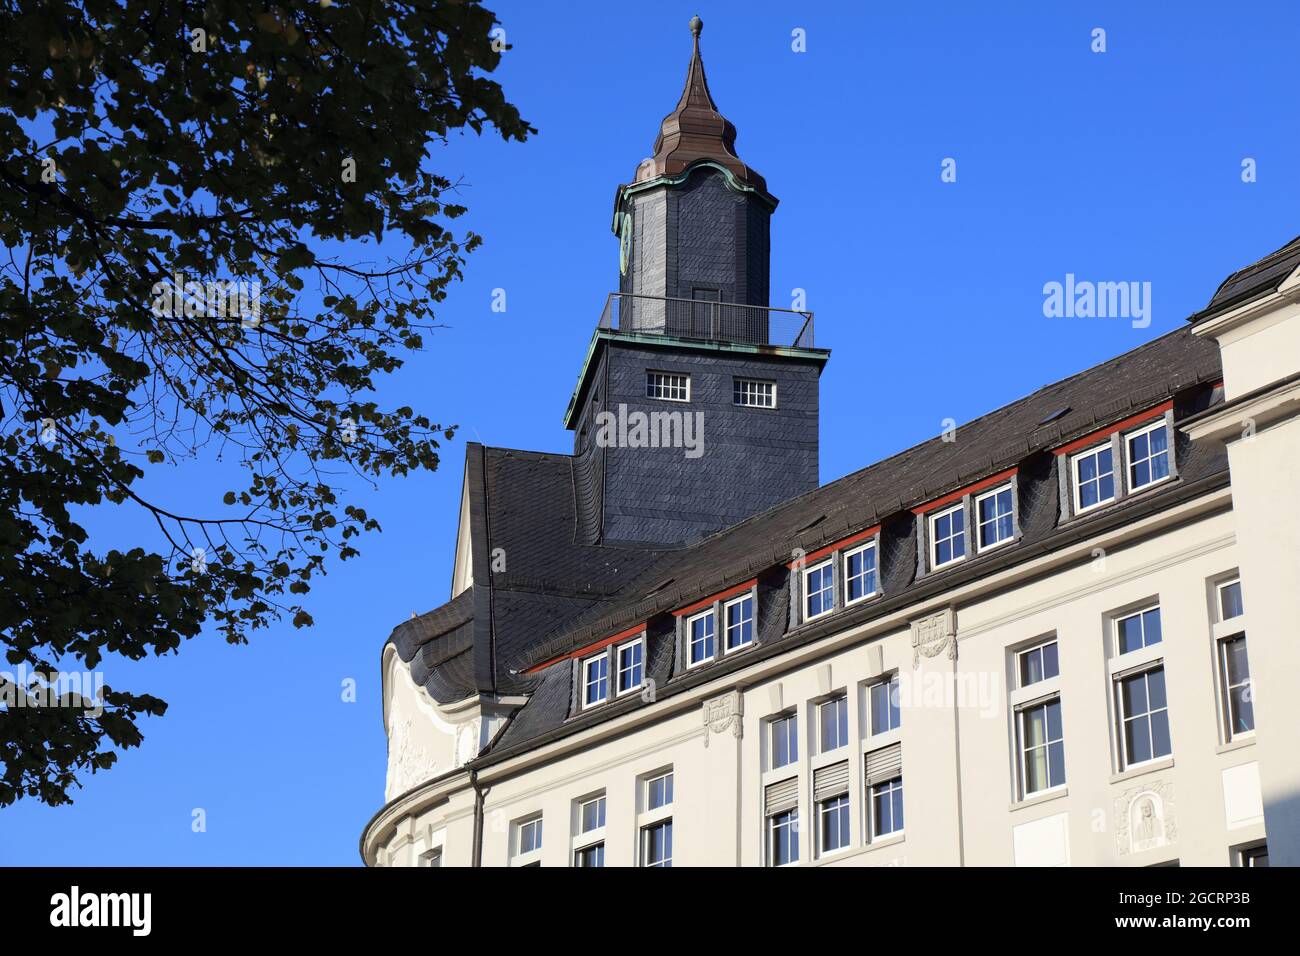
(696, 26)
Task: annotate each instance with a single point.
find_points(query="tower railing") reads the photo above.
(707, 320)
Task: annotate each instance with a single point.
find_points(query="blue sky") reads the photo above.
(1116, 166)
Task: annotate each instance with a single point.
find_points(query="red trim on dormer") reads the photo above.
(1093, 438)
(588, 649)
(720, 596)
(960, 493)
(834, 546)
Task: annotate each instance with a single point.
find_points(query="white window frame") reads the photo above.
(1039, 646)
(726, 627)
(599, 801)
(619, 690)
(792, 738)
(793, 825)
(1075, 484)
(818, 710)
(1223, 630)
(524, 857)
(587, 664)
(873, 819)
(660, 386)
(875, 572)
(1160, 424)
(1009, 488)
(671, 789)
(830, 589)
(931, 520)
(1022, 748)
(821, 810)
(1138, 613)
(891, 685)
(665, 863)
(738, 385)
(1121, 718)
(689, 642)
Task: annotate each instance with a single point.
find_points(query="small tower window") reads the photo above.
(668, 386)
(754, 393)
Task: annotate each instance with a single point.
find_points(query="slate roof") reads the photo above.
(1178, 365)
(1255, 280)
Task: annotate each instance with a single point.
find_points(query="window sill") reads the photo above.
(1039, 798)
(883, 843)
(1164, 763)
(1238, 744)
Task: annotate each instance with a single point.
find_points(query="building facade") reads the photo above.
(1061, 634)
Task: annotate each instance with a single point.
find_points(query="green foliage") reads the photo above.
(134, 148)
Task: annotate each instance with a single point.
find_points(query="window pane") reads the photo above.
(1133, 694)
(1160, 734)
(1056, 763)
(1151, 626)
(1230, 601)
(1156, 688)
(1050, 666)
(1035, 770)
(1137, 740)
(1031, 667)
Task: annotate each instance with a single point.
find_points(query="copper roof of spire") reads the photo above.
(696, 131)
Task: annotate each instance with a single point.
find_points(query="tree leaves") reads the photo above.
(173, 295)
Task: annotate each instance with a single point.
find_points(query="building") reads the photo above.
(1060, 634)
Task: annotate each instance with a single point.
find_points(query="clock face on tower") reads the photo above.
(624, 241)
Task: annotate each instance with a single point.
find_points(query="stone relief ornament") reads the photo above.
(1144, 818)
(723, 712)
(408, 764)
(934, 634)
(467, 735)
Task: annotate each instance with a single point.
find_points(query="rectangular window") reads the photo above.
(819, 593)
(885, 714)
(530, 836)
(994, 522)
(860, 574)
(1094, 478)
(948, 536)
(1144, 716)
(887, 807)
(833, 723)
(1038, 664)
(631, 666)
(657, 844)
(1148, 455)
(1230, 605)
(699, 636)
(833, 823)
(659, 791)
(595, 680)
(591, 814)
(1136, 631)
(754, 393)
(1042, 747)
(593, 855)
(785, 741)
(668, 386)
(1239, 707)
(783, 838)
(739, 617)
(433, 858)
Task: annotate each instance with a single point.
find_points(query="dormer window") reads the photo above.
(699, 638)
(668, 386)
(631, 666)
(739, 616)
(595, 680)
(948, 536)
(994, 521)
(1094, 477)
(860, 579)
(819, 590)
(1148, 455)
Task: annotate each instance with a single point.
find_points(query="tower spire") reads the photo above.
(695, 130)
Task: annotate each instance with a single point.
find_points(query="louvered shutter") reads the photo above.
(884, 764)
(831, 781)
(781, 796)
